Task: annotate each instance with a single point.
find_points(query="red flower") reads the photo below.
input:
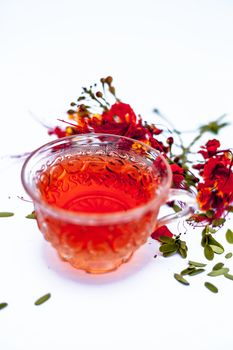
(210, 148)
(216, 191)
(58, 132)
(161, 231)
(118, 120)
(178, 175)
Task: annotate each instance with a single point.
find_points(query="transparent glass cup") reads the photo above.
(97, 197)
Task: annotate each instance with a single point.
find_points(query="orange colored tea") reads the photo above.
(94, 184)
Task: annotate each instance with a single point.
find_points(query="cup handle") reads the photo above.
(189, 208)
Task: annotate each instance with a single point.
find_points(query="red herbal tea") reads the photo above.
(97, 197)
(97, 184)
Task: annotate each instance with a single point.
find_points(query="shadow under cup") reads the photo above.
(96, 197)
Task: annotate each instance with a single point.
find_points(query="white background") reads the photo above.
(174, 55)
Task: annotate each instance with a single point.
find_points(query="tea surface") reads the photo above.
(97, 184)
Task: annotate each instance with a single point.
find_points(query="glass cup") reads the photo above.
(97, 197)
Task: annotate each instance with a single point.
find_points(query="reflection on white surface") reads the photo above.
(138, 262)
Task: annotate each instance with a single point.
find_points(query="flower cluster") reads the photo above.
(211, 178)
(215, 191)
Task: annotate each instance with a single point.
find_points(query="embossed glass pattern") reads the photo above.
(96, 197)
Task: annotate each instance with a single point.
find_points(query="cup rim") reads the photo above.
(95, 218)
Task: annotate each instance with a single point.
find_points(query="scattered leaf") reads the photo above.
(218, 266)
(5, 214)
(218, 272)
(211, 287)
(181, 279)
(196, 272)
(229, 276)
(187, 271)
(3, 305)
(196, 264)
(42, 299)
(229, 236)
(228, 255)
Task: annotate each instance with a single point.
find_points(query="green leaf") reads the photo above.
(176, 208)
(215, 245)
(218, 272)
(31, 216)
(196, 272)
(183, 252)
(218, 266)
(181, 279)
(42, 299)
(218, 222)
(217, 249)
(5, 214)
(168, 247)
(166, 239)
(228, 255)
(211, 287)
(166, 255)
(229, 276)
(183, 245)
(187, 271)
(196, 264)
(229, 236)
(204, 241)
(3, 305)
(210, 214)
(209, 253)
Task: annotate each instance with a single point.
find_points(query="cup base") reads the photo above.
(97, 267)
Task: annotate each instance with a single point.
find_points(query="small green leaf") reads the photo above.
(166, 255)
(31, 216)
(209, 253)
(42, 299)
(166, 239)
(181, 279)
(183, 245)
(183, 252)
(3, 305)
(218, 222)
(196, 264)
(215, 245)
(229, 236)
(218, 266)
(5, 214)
(212, 230)
(176, 208)
(187, 271)
(210, 214)
(228, 255)
(216, 249)
(168, 247)
(204, 241)
(196, 272)
(218, 272)
(229, 276)
(211, 287)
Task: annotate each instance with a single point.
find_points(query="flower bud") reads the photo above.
(170, 140)
(99, 94)
(109, 80)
